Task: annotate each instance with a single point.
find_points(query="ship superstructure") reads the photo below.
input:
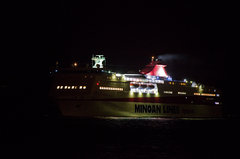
(151, 93)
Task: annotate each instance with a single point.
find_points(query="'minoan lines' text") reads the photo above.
(141, 108)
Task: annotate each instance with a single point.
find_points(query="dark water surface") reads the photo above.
(121, 138)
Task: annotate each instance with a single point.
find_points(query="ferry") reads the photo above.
(97, 92)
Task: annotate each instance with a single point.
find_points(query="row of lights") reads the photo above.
(171, 92)
(111, 88)
(182, 84)
(149, 78)
(143, 80)
(206, 94)
(151, 88)
(196, 94)
(71, 87)
(143, 86)
(143, 91)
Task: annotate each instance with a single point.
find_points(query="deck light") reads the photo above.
(75, 64)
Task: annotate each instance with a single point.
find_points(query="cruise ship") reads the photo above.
(97, 92)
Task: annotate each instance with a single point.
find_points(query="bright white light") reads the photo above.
(118, 75)
(194, 84)
(151, 88)
(148, 77)
(161, 72)
(98, 61)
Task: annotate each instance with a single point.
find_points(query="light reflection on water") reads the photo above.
(156, 118)
(151, 122)
(135, 118)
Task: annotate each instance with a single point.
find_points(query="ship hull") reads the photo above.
(76, 108)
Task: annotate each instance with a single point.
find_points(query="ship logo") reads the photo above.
(158, 109)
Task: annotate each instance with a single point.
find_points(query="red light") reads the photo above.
(97, 83)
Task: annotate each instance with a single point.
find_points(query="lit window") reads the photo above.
(181, 92)
(84, 87)
(61, 87)
(73, 87)
(207, 94)
(167, 92)
(69, 87)
(58, 87)
(65, 87)
(80, 87)
(197, 94)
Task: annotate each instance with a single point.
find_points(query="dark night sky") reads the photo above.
(128, 34)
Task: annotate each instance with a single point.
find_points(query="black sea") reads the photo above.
(118, 138)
